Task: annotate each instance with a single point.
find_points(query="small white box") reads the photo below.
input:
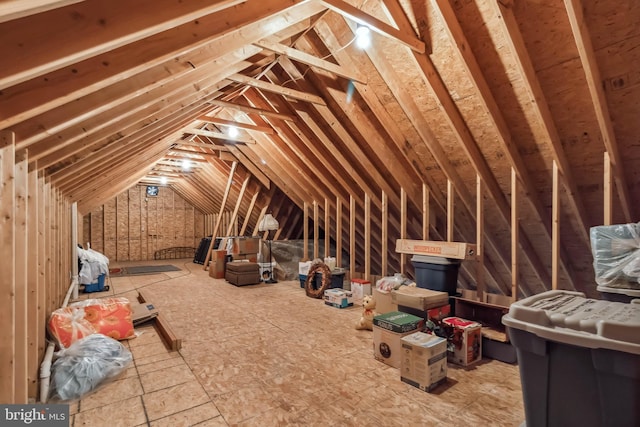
(360, 288)
(337, 297)
(464, 340)
(424, 360)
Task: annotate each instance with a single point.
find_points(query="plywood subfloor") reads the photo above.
(267, 355)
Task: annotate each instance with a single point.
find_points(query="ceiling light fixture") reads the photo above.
(363, 36)
(163, 180)
(186, 164)
(233, 131)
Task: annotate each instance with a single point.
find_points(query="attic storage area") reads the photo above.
(140, 129)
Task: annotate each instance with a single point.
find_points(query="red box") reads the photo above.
(464, 340)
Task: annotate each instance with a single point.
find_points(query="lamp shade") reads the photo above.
(268, 223)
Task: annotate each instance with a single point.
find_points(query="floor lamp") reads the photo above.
(268, 224)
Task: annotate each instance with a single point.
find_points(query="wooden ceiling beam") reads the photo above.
(241, 125)
(344, 137)
(60, 37)
(251, 167)
(169, 156)
(545, 119)
(159, 57)
(280, 90)
(486, 98)
(115, 180)
(203, 145)
(86, 157)
(191, 152)
(219, 135)
(120, 101)
(295, 140)
(432, 78)
(406, 38)
(598, 97)
(251, 110)
(16, 9)
(311, 60)
(86, 176)
(315, 119)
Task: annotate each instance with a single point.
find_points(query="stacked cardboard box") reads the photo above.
(388, 329)
(216, 267)
(424, 360)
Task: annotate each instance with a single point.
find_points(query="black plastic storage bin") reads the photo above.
(436, 273)
(579, 359)
(337, 280)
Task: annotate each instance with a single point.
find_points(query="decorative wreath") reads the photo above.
(326, 280)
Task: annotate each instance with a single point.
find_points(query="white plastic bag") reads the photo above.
(616, 255)
(85, 365)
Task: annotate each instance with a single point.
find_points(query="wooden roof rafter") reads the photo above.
(227, 139)
(311, 60)
(592, 74)
(545, 119)
(468, 59)
(281, 90)
(404, 37)
(241, 125)
(457, 123)
(218, 34)
(128, 23)
(252, 110)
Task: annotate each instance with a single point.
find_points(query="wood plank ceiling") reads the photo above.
(453, 98)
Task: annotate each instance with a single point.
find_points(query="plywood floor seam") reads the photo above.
(267, 355)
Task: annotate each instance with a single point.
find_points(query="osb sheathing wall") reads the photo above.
(133, 226)
(35, 255)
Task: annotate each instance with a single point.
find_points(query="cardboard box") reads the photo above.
(457, 250)
(388, 329)
(216, 267)
(338, 298)
(464, 340)
(141, 313)
(419, 298)
(360, 288)
(424, 360)
(433, 316)
(384, 303)
(245, 257)
(245, 245)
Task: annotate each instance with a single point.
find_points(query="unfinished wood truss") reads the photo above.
(512, 125)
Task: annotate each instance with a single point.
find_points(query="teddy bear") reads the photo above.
(368, 312)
